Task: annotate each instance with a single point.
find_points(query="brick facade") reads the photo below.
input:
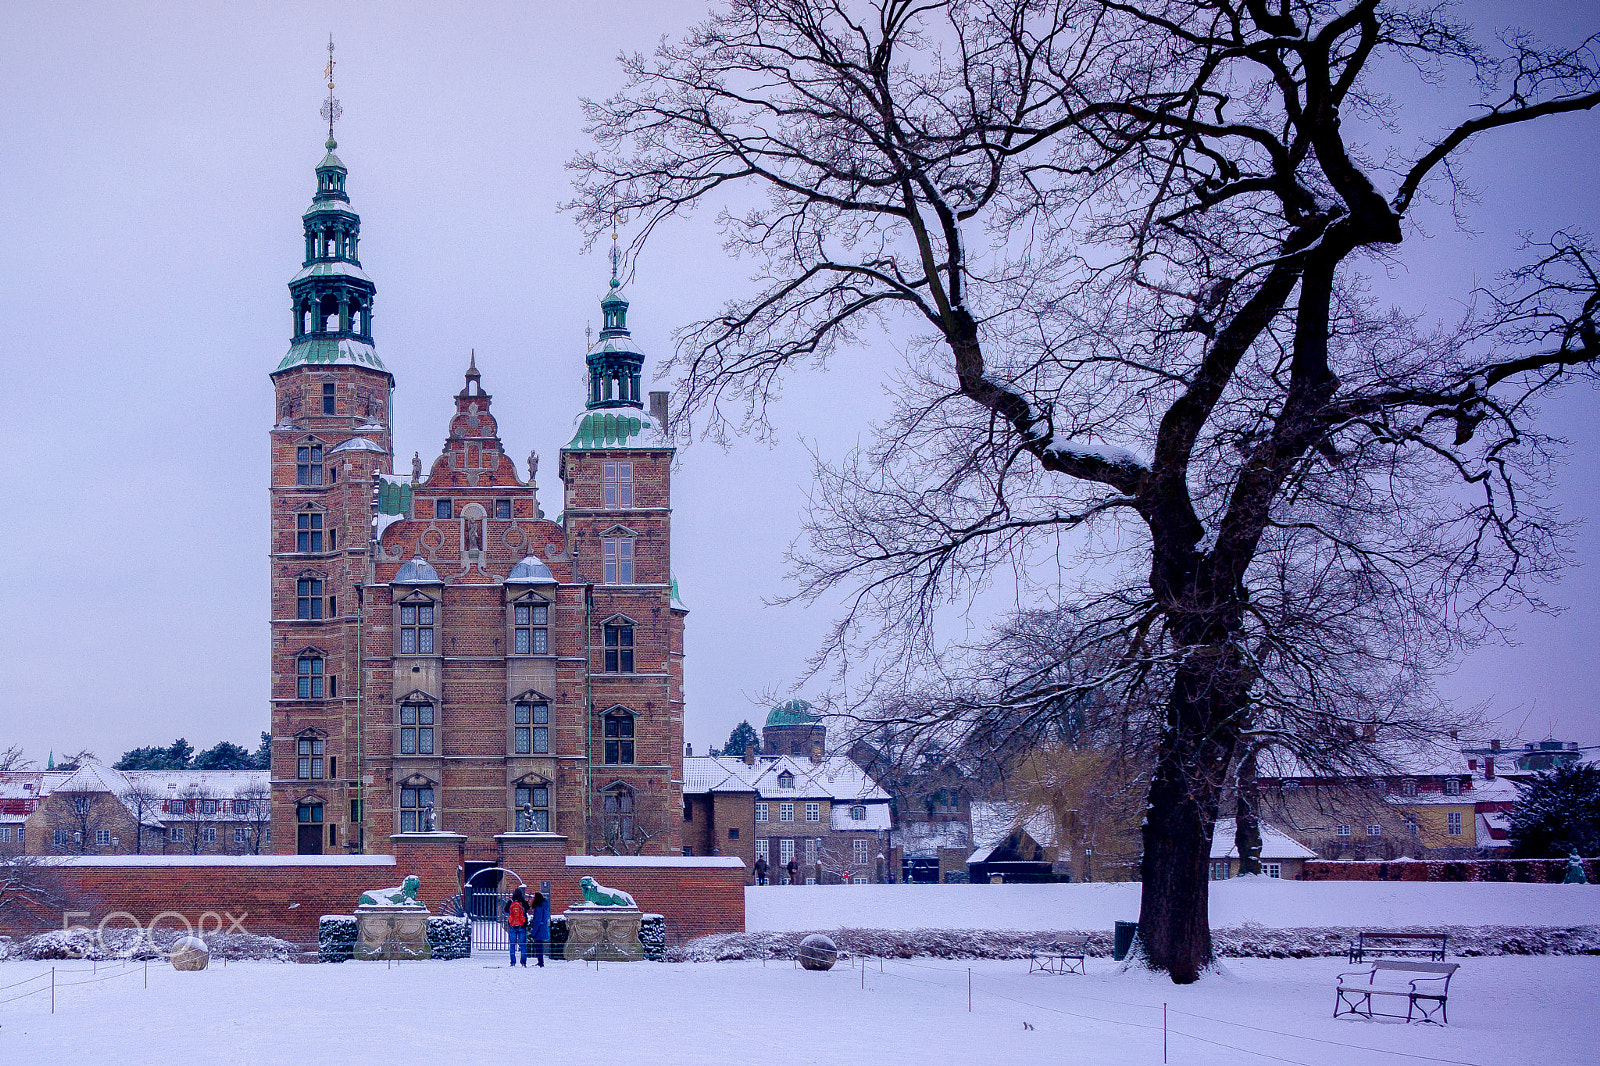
(399, 669)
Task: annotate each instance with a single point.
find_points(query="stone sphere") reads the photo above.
(190, 953)
(818, 953)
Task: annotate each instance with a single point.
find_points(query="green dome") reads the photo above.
(793, 712)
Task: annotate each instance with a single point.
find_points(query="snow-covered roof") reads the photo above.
(875, 816)
(993, 822)
(530, 571)
(357, 444)
(1493, 830)
(834, 778)
(924, 839)
(1275, 846)
(417, 572)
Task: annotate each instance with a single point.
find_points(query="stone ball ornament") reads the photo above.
(190, 953)
(817, 952)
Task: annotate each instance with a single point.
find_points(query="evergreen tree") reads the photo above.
(743, 733)
(1558, 813)
(175, 756)
(225, 755)
(263, 756)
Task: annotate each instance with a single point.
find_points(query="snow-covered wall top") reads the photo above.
(655, 860)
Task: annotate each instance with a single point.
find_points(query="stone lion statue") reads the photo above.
(402, 895)
(599, 895)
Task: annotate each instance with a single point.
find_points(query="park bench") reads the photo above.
(1063, 956)
(1373, 943)
(1425, 991)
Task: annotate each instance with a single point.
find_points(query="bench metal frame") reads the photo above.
(1426, 945)
(1426, 1004)
(1060, 958)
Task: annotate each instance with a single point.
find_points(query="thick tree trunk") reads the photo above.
(1247, 814)
(1191, 764)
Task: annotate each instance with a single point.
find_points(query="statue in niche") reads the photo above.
(474, 535)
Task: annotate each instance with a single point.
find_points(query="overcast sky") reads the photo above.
(154, 163)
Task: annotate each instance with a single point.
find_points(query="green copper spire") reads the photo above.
(331, 295)
(615, 366)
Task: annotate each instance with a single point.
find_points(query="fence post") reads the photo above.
(969, 989)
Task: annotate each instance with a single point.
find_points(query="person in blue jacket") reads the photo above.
(539, 927)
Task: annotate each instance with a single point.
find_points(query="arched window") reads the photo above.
(309, 676)
(619, 736)
(858, 812)
(416, 729)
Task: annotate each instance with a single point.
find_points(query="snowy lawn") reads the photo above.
(1274, 903)
(1510, 1009)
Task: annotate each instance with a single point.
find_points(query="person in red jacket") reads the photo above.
(517, 925)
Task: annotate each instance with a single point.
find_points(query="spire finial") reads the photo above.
(588, 336)
(330, 107)
(472, 363)
(616, 252)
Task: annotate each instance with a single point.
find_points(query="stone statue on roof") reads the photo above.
(416, 467)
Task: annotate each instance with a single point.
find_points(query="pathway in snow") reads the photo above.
(914, 1012)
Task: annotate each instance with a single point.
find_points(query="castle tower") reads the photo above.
(616, 476)
(330, 441)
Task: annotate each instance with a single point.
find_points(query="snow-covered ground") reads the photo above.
(1502, 1010)
(1269, 902)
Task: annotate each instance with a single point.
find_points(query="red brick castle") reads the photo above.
(444, 656)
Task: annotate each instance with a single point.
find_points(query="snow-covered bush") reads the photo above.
(336, 937)
(653, 935)
(450, 937)
(81, 943)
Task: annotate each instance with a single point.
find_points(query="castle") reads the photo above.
(445, 656)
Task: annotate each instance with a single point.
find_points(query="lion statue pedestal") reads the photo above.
(392, 923)
(605, 926)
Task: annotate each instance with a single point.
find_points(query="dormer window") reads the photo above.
(786, 780)
(858, 812)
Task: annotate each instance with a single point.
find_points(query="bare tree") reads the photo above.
(252, 811)
(1130, 239)
(32, 894)
(198, 808)
(12, 759)
(142, 800)
(622, 826)
(77, 817)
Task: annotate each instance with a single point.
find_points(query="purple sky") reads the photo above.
(157, 161)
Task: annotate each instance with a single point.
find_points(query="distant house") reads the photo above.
(795, 802)
(97, 810)
(1013, 844)
(1280, 856)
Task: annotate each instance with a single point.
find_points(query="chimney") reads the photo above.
(658, 408)
(816, 752)
(1495, 744)
(688, 750)
(1488, 764)
(749, 754)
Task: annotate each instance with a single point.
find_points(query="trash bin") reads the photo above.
(1124, 940)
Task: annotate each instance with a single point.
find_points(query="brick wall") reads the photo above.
(281, 896)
